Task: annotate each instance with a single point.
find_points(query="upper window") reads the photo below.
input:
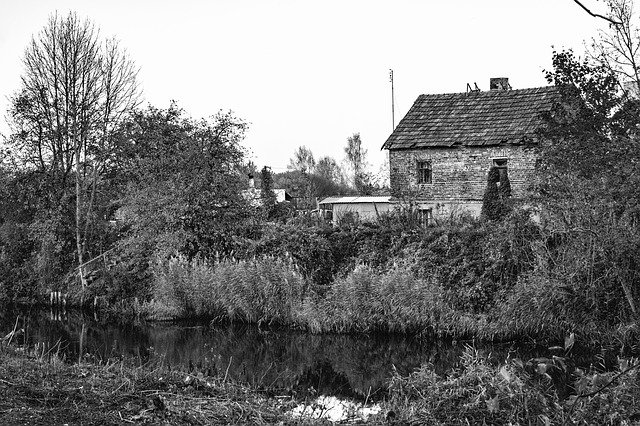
(424, 172)
(500, 162)
(501, 165)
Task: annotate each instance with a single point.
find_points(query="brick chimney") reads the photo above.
(499, 83)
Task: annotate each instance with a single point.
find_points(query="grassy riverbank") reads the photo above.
(41, 389)
(45, 390)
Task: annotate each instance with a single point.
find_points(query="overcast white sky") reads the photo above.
(313, 72)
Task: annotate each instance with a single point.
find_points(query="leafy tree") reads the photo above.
(591, 131)
(308, 180)
(589, 175)
(323, 187)
(302, 165)
(273, 209)
(356, 157)
(266, 183)
(183, 191)
(302, 160)
(17, 210)
(329, 169)
(307, 187)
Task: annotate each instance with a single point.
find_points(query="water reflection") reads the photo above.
(335, 364)
(280, 360)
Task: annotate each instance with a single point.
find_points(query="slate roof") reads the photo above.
(472, 119)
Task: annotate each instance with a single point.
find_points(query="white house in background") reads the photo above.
(364, 208)
(254, 195)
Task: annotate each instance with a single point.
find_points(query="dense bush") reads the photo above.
(587, 191)
(491, 279)
(513, 392)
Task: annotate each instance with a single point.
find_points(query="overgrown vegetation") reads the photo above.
(41, 388)
(516, 392)
(468, 278)
(503, 275)
(158, 204)
(144, 209)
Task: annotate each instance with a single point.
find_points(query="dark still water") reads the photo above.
(281, 360)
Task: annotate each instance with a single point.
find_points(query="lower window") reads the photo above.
(425, 216)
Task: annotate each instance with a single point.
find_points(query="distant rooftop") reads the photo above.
(472, 119)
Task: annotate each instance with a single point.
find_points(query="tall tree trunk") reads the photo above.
(79, 244)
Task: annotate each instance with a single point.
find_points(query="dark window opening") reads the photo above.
(424, 172)
(326, 211)
(501, 165)
(425, 217)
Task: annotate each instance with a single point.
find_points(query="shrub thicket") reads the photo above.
(481, 392)
(492, 279)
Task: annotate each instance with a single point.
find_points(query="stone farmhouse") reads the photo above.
(441, 151)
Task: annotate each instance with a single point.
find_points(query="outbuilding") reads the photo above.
(362, 208)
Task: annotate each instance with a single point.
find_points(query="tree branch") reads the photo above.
(596, 15)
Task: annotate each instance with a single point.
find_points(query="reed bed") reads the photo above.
(267, 289)
(272, 291)
(477, 280)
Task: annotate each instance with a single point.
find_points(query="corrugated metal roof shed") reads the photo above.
(353, 200)
(472, 119)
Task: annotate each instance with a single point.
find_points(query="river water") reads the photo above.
(282, 360)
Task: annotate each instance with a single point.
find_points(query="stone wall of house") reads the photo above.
(459, 174)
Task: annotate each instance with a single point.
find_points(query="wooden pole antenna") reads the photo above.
(393, 117)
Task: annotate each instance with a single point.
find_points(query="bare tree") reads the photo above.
(618, 47)
(596, 15)
(76, 88)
